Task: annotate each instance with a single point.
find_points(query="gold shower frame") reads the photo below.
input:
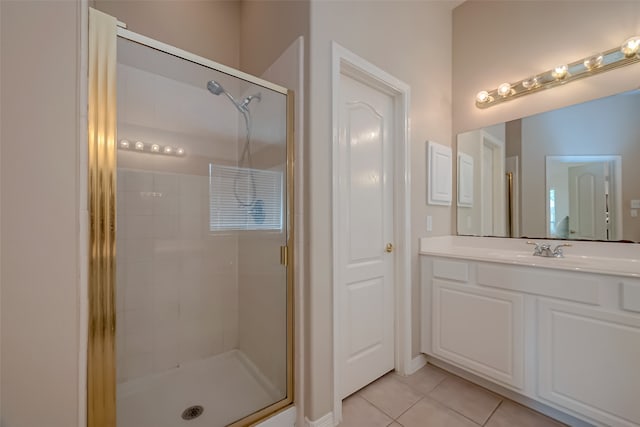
(102, 125)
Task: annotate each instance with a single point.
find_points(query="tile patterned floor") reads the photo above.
(434, 398)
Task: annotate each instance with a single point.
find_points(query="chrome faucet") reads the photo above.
(544, 249)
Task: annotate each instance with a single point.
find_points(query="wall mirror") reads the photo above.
(571, 173)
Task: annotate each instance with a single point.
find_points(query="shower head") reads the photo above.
(215, 87)
(243, 106)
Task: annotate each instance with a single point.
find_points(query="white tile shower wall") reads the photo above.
(176, 289)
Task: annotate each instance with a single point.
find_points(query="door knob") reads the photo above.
(389, 247)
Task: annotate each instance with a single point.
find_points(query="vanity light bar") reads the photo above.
(141, 147)
(626, 54)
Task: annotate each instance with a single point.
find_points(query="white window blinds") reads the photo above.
(244, 199)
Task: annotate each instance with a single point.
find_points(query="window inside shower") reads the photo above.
(201, 294)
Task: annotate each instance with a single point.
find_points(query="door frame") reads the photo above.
(497, 148)
(345, 62)
(512, 165)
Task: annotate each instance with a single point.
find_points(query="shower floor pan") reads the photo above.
(227, 386)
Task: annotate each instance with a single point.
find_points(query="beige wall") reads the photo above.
(415, 46)
(268, 28)
(40, 214)
(499, 41)
(209, 28)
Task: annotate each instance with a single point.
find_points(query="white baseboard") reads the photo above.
(325, 421)
(286, 418)
(416, 363)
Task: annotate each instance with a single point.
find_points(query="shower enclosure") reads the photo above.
(191, 292)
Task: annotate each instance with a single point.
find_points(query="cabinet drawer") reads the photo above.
(451, 270)
(551, 283)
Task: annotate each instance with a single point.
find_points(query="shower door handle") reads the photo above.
(284, 255)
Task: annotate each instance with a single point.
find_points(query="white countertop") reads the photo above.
(621, 259)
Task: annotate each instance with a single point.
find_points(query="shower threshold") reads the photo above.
(227, 387)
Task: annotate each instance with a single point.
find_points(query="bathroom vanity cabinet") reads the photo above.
(569, 339)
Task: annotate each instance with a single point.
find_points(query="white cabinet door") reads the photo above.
(589, 361)
(480, 329)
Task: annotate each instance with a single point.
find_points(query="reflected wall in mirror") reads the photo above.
(575, 174)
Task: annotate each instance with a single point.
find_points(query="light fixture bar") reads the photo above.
(617, 57)
(142, 147)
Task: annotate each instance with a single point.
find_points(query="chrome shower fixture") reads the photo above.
(243, 105)
(249, 200)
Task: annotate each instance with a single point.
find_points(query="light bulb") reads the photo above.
(593, 62)
(124, 144)
(168, 149)
(630, 47)
(504, 90)
(180, 151)
(482, 96)
(155, 148)
(560, 72)
(139, 145)
(530, 83)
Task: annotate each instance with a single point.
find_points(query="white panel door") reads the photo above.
(587, 201)
(365, 206)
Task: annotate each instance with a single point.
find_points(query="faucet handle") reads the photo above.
(557, 251)
(538, 247)
(563, 244)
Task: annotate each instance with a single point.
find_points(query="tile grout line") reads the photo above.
(493, 412)
(414, 404)
(444, 405)
(428, 395)
(500, 398)
(425, 396)
(383, 412)
(460, 413)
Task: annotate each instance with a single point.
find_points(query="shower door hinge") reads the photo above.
(284, 255)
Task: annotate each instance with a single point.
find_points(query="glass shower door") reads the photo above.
(203, 295)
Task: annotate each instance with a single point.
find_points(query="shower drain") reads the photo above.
(192, 412)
